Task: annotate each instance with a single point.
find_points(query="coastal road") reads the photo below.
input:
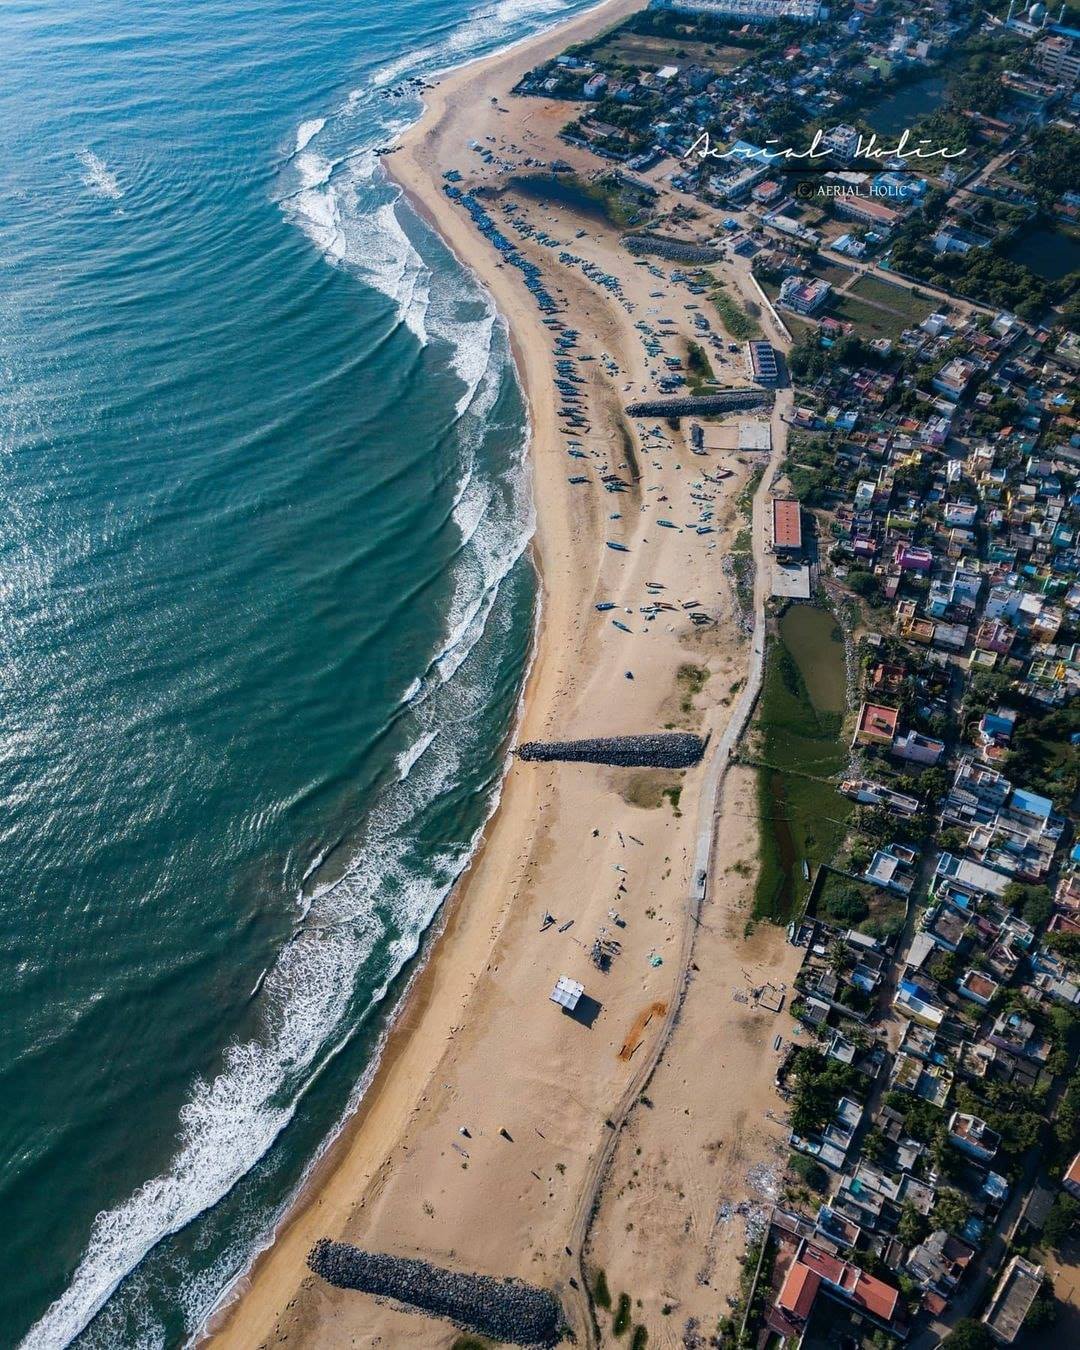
(716, 766)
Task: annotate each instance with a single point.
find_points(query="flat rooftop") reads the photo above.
(791, 581)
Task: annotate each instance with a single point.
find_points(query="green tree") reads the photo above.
(1061, 1221)
(951, 1211)
(809, 1171)
(912, 1227)
(968, 1334)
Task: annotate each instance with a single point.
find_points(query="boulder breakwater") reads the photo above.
(506, 1310)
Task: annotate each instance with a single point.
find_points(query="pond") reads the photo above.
(1049, 253)
(566, 191)
(905, 105)
(803, 701)
(814, 639)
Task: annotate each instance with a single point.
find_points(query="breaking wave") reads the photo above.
(99, 178)
(351, 217)
(357, 931)
(307, 131)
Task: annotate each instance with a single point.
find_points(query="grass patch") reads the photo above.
(645, 50)
(698, 368)
(691, 681)
(850, 903)
(470, 1343)
(604, 198)
(649, 789)
(601, 1292)
(735, 319)
(621, 1323)
(872, 322)
(674, 794)
(640, 1338)
(897, 298)
(835, 274)
(744, 504)
(801, 817)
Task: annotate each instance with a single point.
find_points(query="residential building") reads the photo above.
(1017, 1290)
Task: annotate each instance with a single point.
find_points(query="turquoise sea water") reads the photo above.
(265, 610)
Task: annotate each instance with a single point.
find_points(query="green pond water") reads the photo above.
(906, 105)
(814, 639)
(1049, 253)
(801, 713)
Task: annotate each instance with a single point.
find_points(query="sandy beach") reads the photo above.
(478, 1046)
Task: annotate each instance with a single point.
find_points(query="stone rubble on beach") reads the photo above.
(658, 750)
(506, 1310)
(685, 404)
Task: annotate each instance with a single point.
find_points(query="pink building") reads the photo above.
(913, 559)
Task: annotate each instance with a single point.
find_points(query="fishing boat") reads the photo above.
(619, 548)
(621, 626)
(605, 605)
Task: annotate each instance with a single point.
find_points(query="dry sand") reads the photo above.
(479, 1044)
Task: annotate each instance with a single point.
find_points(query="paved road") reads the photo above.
(957, 302)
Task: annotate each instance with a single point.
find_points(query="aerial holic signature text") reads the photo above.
(703, 148)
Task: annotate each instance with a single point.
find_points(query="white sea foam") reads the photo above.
(224, 1126)
(314, 865)
(493, 547)
(230, 1122)
(307, 131)
(472, 355)
(387, 260)
(481, 30)
(412, 753)
(98, 177)
(333, 206)
(316, 211)
(313, 169)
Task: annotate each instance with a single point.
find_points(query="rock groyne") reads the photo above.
(687, 404)
(675, 250)
(506, 1310)
(657, 750)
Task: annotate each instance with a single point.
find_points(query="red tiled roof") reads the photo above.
(799, 1290)
(787, 523)
(878, 1298)
(870, 1293)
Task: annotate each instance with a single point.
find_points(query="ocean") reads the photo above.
(266, 607)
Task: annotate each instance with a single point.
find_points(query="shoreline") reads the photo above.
(221, 1323)
(473, 1042)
